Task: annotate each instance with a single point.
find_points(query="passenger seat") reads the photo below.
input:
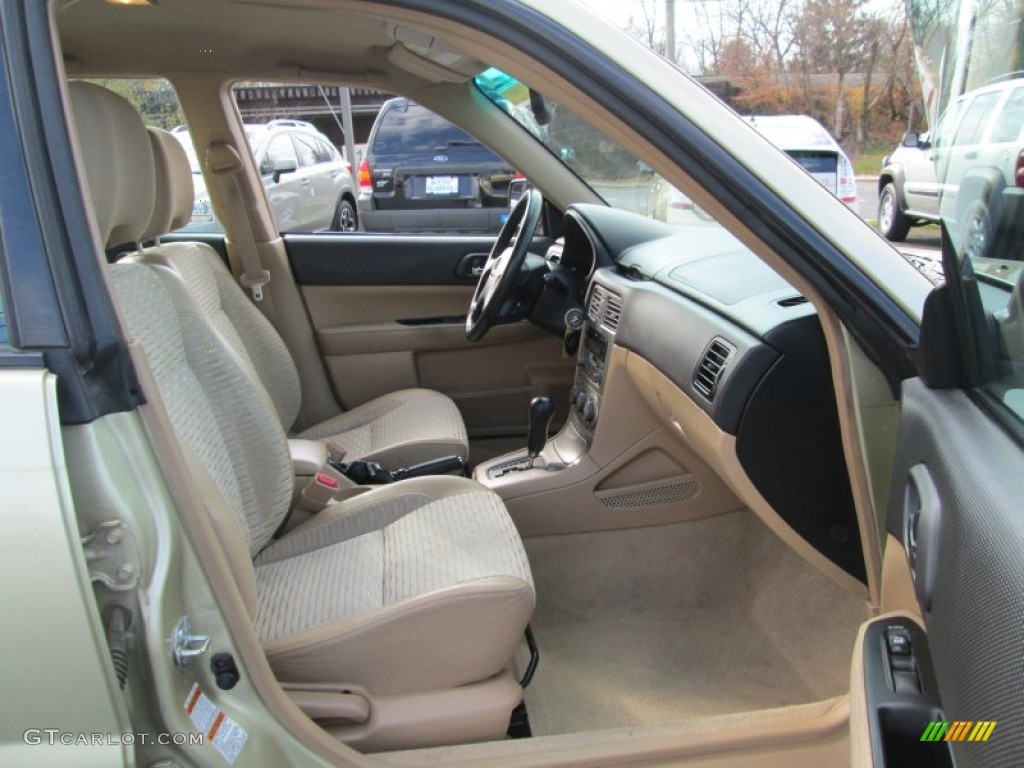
(396, 430)
(411, 598)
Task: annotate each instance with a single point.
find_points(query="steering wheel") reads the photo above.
(502, 265)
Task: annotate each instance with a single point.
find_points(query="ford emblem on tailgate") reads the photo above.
(440, 158)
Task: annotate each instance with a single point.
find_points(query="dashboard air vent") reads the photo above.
(712, 366)
(596, 299)
(791, 301)
(612, 312)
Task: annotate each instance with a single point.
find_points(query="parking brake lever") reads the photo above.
(440, 466)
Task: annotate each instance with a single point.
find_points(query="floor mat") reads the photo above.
(660, 624)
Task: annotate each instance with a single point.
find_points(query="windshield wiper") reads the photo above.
(461, 143)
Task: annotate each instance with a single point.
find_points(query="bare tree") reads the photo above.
(645, 27)
(831, 39)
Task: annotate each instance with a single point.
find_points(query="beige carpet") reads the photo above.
(655, 625)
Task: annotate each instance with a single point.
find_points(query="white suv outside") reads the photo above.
(806, 141)
(308, 182)
(968, 171)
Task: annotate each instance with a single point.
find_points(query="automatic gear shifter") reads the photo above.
(541, 411)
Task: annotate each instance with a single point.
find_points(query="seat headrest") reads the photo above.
(118, 162)
(174, 189)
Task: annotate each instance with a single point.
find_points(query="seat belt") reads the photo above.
(223, 159)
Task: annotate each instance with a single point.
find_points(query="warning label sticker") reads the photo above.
(226, 736)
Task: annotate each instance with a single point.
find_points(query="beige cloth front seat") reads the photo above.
(413, 595)
(396, 429)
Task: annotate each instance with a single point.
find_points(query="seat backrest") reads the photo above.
(219, 410)
(205, 276)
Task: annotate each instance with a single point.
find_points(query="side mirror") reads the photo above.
(516, 189)
(910, 139)
(282, 166)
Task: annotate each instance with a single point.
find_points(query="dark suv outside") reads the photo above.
(423, 174)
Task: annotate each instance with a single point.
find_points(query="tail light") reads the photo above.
(1018, 173)
(847, 186)
(364, 176)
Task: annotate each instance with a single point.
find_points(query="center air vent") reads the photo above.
(596, 299)
(712, 366)
(612, 312)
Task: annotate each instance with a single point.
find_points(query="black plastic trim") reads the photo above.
(884, 329)
(10, 358)
(897, 720)
(387, 259)
(789, 444)
(368, 259)
(59, 304)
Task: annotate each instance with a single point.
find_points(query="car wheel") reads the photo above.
(976, 230)
(892, 222)
(345, 217)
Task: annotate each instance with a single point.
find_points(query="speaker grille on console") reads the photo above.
(651, 494)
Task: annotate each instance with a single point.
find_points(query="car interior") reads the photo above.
(622, 493)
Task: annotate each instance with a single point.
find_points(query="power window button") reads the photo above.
(899, 643)
(906, 682)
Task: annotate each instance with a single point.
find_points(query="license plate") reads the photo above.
(442, 185)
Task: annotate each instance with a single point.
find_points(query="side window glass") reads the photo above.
(325, 153)
(4, 338)
(943, 133)
(975, 120)
(421, 173)
(305, 149)
(414, 171)
(987, 251)
(1011, 118)
(304, 123)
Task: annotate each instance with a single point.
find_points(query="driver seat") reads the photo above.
(396, 430)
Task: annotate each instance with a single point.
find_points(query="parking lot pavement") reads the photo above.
(867, 197)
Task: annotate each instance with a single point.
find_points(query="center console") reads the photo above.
(604, 309)
(585, 396)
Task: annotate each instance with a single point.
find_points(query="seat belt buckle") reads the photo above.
(255, 283)
(335, 453)
(319, 492)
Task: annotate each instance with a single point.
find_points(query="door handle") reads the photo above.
(971, 156)
(922, 513)
(471, 266)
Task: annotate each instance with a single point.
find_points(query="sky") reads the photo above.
(619, 12)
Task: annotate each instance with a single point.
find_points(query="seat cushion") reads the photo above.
(424, 585)
(398, 429)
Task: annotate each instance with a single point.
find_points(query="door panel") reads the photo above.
(975, 557)
(388, 313)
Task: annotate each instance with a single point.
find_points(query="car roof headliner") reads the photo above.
(244, 39)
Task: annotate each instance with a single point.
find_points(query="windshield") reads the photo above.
(615, 174)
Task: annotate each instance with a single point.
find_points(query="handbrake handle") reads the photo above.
(441, 466)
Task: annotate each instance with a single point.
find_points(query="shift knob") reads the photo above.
(541, 411)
